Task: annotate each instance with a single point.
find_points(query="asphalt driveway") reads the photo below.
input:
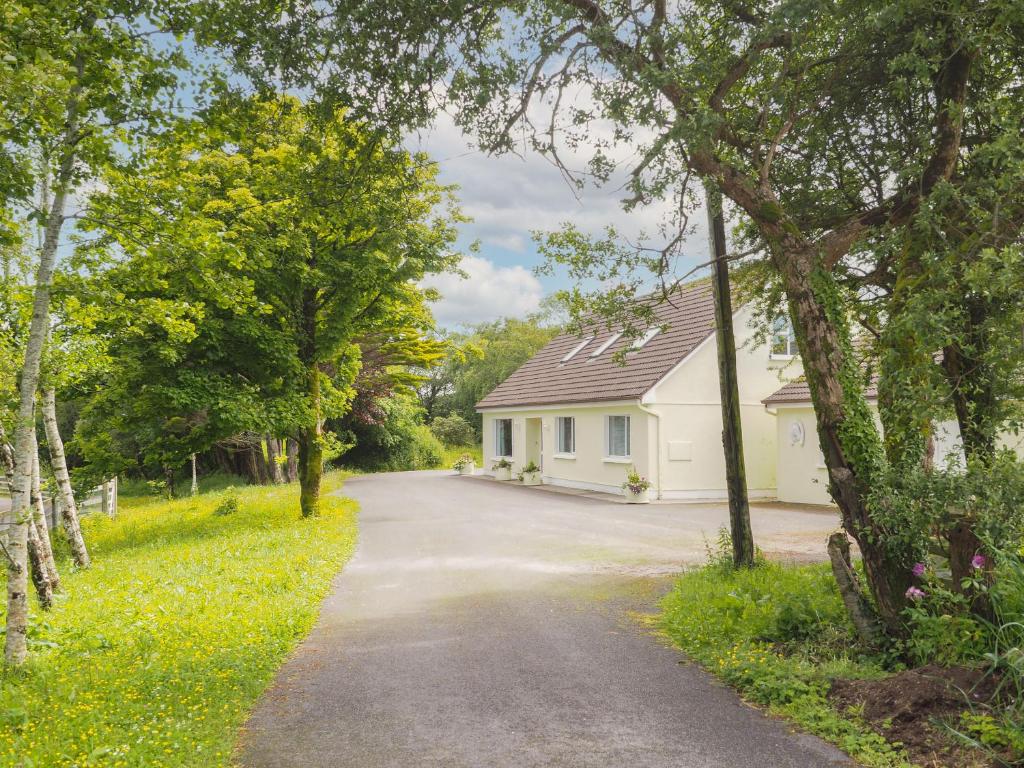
(482, 624)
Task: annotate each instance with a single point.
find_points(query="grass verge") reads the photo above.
(779, 635)
(155, 655)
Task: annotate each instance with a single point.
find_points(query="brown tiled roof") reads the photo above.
(798, 392)
(543, 380)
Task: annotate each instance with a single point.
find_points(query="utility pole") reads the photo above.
(732, 427)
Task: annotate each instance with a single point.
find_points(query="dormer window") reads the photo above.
(783, 345)
(607, 343)
(572, 353)
(649, 334)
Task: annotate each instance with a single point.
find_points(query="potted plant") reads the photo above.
(635, 488)
(530, 474)
(502, 469)
(464, 465)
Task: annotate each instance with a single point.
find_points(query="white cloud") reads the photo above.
(486, 293)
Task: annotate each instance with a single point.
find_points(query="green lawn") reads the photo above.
(778, 634)
(453, 452)
(155, 656)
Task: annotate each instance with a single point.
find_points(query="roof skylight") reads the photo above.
(649, 334)
(607, 343)
(572, 353)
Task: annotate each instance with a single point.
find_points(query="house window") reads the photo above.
(607, 343)
(783, 339)
(617, 437)
(572, 352)
(503, 438)
(566, 426)
(649, 334)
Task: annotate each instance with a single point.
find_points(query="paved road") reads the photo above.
(485, 625)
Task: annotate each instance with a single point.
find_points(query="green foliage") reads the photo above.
(478, 361)
(454, 453)
(916, 504)
(229, 505)
(397, 441)
(779, 634)
(270, 250)
(174, 632)
(452, 430)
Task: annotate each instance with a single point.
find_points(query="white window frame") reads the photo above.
(498, 454)
(563, 451)
(606, 343)
(641, 342)
(577, 349)
(615, 457)
(781, 325)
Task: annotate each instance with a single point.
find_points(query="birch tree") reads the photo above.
(69, 507)
(86, 76)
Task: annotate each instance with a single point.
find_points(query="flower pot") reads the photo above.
(503, 473)
(636, 498)
(468, 469)
(531, 478)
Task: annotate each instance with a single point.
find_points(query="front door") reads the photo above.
(534, 442)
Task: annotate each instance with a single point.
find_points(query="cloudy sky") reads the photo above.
(507, 198)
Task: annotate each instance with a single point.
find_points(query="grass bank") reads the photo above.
(155, 655)
(779, 635)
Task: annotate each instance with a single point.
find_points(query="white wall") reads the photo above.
(691, 460)
(589, 467)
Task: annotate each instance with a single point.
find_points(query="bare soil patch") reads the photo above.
(910, 707)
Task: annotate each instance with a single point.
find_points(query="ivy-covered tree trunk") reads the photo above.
(58, 461)
(847, 434)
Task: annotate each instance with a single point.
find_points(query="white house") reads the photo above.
(801, 474)
(585, 420)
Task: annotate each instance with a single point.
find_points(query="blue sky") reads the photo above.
(508, 197)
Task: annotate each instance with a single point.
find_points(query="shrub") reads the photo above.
(398, 441)
(453, 430)
(229, 505)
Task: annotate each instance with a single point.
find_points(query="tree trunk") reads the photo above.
(273, 452)
(848, 437)
(732, 426)
(37, 567)
(973, 401)
(292, 465)
(43, 528)
(195, 478)
(850, 590)
(58, 461)
(15, 647)
(311, 460)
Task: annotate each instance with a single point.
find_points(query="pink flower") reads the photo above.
(919, 569)
(978, 562)
(913, 593)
